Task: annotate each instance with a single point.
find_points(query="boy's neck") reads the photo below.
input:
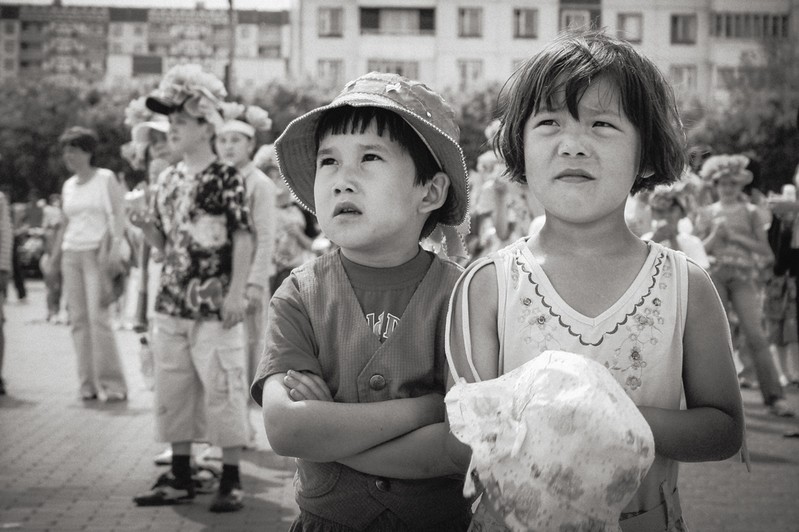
(390, 259)
(198, 160)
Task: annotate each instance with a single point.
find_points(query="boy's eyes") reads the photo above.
(325, 161)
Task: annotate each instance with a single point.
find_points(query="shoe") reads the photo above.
(165, 458)
(228, 499)
(166, 491)
(2, 387)
(114, 397)
(88, 397)
(780, 408)
(745, 383)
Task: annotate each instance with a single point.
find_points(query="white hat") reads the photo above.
(140, 133)
(557, 443)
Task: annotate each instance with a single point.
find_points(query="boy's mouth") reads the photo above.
(345, 208)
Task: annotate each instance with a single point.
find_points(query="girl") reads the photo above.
(586, 122)
(736, 242)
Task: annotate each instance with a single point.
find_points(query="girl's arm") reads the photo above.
(234, 306)
(483, 335)
(712, 426)
(759, 244)
(324, 431)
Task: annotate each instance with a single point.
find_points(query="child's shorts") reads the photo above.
(200, 386)
(308, 522)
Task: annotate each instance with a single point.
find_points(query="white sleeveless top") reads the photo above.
(639, 338)
(86, 206)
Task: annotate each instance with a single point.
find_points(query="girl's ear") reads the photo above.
(436, 195)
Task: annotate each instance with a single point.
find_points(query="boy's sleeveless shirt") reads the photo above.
(358, 368)
(639, 338)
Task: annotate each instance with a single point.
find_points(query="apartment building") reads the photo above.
(119, 44)
(463, 44)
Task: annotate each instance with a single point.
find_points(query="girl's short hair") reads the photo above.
(79, 137)
(566, 67)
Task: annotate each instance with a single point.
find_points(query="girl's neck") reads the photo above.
(85, 174)
(198, 160)
(729, 201)
(607, 237)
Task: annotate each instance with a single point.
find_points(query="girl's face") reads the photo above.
(582, 170)
(727, 189)
(234, 148)
(75, 159)
(187, 133)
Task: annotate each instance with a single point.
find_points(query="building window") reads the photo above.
(398, 21)
(525, 23)
(8, 64)
(244, 32)
(147, 64)
(749, 25)
(116, 30)
(138, 30)
(683, 29)
(575, 19)
(631, 27)
(269, 50)
(409, 69)
(330, 22)
(725, 77)
(10, 28)
(116, 48)
(9, 46)
(470, 22)
(683, 77)
(330, 72)
(470, 72)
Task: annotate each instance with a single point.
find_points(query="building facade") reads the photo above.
(461, 44)
(116, 45)
(703, 46)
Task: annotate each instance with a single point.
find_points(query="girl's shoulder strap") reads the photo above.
(462, 286)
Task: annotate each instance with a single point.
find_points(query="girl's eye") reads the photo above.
(600, 123)
(547, 122)
(371, 157)
(326, 161)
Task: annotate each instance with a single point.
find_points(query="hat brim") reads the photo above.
(295, 152)
(141, 132)
(744, 177)
(159, 105)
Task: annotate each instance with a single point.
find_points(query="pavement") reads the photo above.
(68, 465)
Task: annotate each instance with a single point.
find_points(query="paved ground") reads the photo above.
(66, 465)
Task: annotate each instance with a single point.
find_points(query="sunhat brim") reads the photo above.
(296, 148)
(161, 106)
(744, 177)
(141, 132)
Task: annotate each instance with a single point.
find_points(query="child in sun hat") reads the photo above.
(734, 238)
(199, 219)
(668, 205)
(353, 375)
(584, 123)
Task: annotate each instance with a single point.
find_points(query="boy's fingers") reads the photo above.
(314, 384)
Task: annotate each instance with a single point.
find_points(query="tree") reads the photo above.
(760, 113)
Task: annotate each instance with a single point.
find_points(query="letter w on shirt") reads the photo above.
(384, 325)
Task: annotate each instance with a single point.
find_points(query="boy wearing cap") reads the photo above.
(200, 221)
(352, 376)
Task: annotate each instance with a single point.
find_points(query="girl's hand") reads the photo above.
(304, 386)
(233, 309)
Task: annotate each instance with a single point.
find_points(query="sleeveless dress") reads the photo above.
(639, 339)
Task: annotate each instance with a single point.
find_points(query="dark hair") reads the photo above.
(79, 137)
(567, 66)
(349, 120)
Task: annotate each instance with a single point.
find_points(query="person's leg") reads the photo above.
(220, 358)
(104, 351)
(18, 272)
(2, 338)
(73, 272)
(177, 394)
(745, 300)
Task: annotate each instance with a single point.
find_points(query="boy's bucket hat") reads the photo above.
(427, 112)
(557, 443)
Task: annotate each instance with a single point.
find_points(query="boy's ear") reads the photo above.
(437, 189)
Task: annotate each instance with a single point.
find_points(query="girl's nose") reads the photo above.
(573, 144)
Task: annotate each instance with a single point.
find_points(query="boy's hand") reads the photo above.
(233, 309)
(304, 386)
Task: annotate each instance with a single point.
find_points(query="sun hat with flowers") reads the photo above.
(662, 197)
(424, 110)
(556, 443)
(730, 166)
(141, 121)
(244, 119)
(189, 88)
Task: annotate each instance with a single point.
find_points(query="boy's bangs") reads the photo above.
(348, 120)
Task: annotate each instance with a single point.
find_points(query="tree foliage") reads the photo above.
(760, 114)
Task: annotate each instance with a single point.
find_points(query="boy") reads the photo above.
(380, 166)
(199, 220)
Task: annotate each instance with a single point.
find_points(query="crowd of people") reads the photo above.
(323, 278)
